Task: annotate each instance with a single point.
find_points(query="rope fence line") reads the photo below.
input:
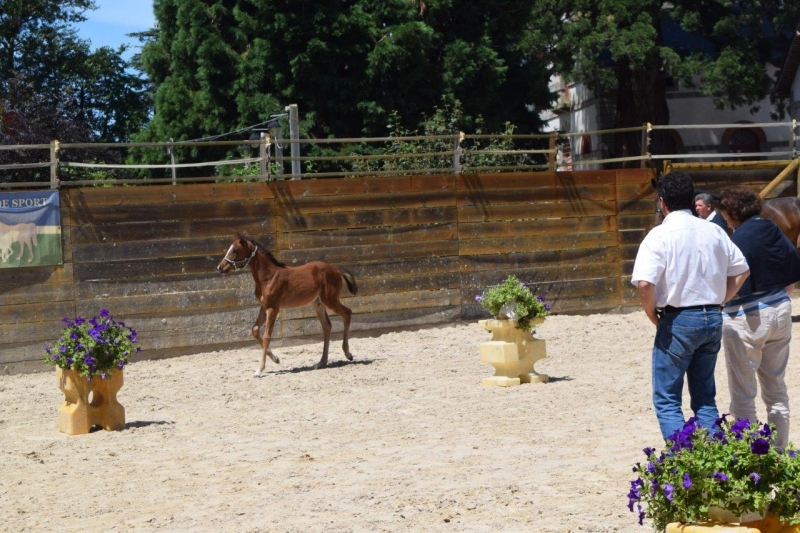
(468, 154)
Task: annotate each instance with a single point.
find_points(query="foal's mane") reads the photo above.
(266, 251)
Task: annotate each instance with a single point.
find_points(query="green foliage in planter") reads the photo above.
(528, 305)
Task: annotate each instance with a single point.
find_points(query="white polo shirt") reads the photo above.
(688, 260)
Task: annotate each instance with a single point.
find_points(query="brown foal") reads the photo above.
(283, 287)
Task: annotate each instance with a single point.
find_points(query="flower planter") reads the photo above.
(89, 403)
(768, 524)
(513, 352)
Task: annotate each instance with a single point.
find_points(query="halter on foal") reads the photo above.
(283, 287)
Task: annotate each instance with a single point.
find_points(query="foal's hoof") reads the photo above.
(320, 365)
(349, 356)
(257, 374)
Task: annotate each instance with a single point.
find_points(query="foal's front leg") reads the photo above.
(271, 314)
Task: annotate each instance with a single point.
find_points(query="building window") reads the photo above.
(743, 140)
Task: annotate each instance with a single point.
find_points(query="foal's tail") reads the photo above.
(350, 280)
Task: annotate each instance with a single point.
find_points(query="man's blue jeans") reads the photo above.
(687, 343)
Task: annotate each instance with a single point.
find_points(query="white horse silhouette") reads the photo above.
(5, 245)
(24, 233)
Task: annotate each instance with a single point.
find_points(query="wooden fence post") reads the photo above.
(263, 155)
(551, 157)
(645, 143)
(457, 153)
(294, 136)
(54, 182)
(171, 152)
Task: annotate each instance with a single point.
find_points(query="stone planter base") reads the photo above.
(80, 413)
(512, 352)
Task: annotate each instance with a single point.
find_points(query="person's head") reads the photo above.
(677, 191)
(703, 204)
(738, 204)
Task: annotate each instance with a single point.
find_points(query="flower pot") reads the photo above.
(89, 403)
(768, 524)
(513, 352)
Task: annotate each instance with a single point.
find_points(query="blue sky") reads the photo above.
(113, 19)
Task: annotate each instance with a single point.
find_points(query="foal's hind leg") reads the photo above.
(345, 313)
(270, 315)
(325, 322)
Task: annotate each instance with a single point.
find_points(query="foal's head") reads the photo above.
(239, 254)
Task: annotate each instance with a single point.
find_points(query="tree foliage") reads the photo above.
(54, 87)
(718, 47)
(350, 65)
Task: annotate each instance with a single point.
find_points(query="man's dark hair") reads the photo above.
(677, 190)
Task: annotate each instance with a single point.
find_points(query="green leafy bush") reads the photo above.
(522, 303)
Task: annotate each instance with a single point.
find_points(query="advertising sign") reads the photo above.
(30, 229)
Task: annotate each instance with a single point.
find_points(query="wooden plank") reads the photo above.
(535, 195)
(296, 206)
(167, 194)
(548, 226)
(340, 254)
(368, 236)
(156, 250)
(287, 190)
(385, 285)
(637, 207)
(363, 219)
(633, 236)
(519, 180)
(210, 281)
(36, 312)
(28, 276)
(635, 175)
(645, 221)
(539, 258)
(113, 233)
(147, 268)
(156, 213)
(196, 301)
(499, 245)
(409, 267)
(628, 252)
(37, 293)
(529, 276)
(40, 333)
(579, 208)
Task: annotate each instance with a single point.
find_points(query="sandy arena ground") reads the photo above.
(404, 439)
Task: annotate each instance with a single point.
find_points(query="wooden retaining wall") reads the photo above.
(421, 248)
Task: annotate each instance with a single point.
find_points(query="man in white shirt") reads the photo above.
(684, 270)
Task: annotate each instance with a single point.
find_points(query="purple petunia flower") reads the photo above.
(669, 491)
(687, 481)
(739, 427)
(766, 431)
(540, 298)
(654, 488)
(648, 451)
(546, 307)
(759, 446)
(104, 313)
(79, 320)
(721, 420)
(479, 298)
(651, 468)
(641, 515)
(792, 454)
(755, 477)
(720, 476)
(47, 349)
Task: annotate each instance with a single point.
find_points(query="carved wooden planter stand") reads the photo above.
(79, 413)
(513, 352)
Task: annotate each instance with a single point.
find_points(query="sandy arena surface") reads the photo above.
(403, 439)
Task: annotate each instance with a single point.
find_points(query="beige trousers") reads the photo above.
(756, 353)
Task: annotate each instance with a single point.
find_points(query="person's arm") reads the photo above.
(647, 296)
(734, 284)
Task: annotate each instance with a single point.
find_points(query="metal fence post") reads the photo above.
(54, 182)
